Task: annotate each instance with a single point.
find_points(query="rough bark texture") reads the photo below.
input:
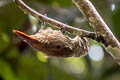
(95, 20)
(102, 30)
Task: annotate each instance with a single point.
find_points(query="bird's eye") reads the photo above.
(58, 47)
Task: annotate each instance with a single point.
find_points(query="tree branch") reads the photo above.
(103, 32)
(53, 22)
(101, 28)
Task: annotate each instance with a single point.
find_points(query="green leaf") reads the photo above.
(4, 42)
(6, 71)
(41, 57)
(116, 21)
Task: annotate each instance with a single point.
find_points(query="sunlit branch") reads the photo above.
(101, 28)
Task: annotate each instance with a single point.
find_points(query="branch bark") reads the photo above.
(104, 34)
(102, 30)
(53, 22)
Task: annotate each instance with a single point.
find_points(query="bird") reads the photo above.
(53, 43)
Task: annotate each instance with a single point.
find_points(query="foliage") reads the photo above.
(18, 61)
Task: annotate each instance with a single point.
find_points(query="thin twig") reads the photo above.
(101, 28)
(53, 22)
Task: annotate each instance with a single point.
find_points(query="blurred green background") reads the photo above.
(18, 61)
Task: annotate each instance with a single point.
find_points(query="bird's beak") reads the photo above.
(24, 36)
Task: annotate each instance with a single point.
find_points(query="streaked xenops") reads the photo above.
(55, 44)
